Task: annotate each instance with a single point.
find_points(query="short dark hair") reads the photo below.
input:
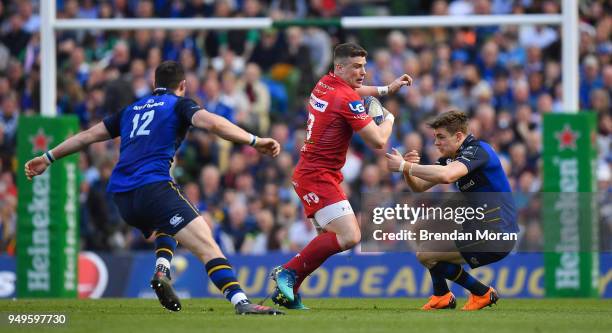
(452, 121)
(348, 50)
(169, 74)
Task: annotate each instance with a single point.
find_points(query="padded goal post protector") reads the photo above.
(48, 212)
(569, 209)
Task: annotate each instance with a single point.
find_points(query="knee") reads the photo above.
(349, 240)
(197, 238)
(426, 259)
(421, 256)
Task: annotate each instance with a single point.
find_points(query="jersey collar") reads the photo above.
(468, 139)
(338, 79)
(160, 91)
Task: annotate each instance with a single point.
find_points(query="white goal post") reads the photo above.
(568, 21)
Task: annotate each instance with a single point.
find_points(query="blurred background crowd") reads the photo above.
(505, 78)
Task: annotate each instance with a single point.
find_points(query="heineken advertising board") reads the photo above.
(47, 223)
(570, 205)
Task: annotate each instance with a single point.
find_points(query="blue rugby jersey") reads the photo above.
(486, 174)
(151, 130)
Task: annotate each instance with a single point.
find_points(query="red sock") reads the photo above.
(312, 256)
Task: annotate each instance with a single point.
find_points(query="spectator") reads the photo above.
(261, 241)
(10, 117)
(237, 226)
(212, 100)
(234, 98)
(590, 80)
(268, 51)
(258, 96)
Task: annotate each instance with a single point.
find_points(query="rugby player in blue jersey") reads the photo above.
(474, 167)
(151, 129)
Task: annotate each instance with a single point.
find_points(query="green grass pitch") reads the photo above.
(327, 315)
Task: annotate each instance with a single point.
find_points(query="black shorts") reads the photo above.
(160, 207)
(483, 252)
(477, 259)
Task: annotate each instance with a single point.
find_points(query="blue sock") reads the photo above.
(222, 275)
(165, 245)
(456, 274)
(440, 288)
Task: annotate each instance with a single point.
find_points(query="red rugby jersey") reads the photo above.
(335, 111)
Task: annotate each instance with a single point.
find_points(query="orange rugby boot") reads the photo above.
(478, 302)
(446, 301)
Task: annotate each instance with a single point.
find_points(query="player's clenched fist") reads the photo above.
(268, 146)
(35, 167)
(404, 80)
(412, 157)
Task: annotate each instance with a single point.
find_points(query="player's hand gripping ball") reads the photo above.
(375, 109)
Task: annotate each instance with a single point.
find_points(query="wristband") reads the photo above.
(410, 170)
(382, 90)
(253, 140)
(401, 166)
(390, 117)
(49, 157)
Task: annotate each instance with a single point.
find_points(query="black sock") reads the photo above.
(457, 274)
(440, 288)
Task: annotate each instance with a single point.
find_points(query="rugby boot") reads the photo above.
(476, 302)
(446, 301)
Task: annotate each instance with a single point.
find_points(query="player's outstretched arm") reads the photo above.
(38, 165)
(228, 131)
(403, 80)
(439, 174)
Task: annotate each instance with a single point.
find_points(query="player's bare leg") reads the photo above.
(197, 238)
(347, 231)
(341, 233)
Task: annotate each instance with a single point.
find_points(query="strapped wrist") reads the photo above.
(50, 156)
(390, 117)
(46, 159)
(382, 90)
(402, 166)
(253, 140)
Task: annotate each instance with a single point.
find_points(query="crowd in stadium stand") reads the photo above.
(505, 78)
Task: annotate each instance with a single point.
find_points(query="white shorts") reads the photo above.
(329, 213)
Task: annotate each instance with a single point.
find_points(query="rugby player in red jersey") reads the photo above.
(335, 111)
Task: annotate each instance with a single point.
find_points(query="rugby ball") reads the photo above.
(375, 109)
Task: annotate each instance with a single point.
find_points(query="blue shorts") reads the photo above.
(160, 207)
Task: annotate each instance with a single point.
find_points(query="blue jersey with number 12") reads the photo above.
(151, 130)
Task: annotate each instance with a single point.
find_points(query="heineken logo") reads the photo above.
(567, 272)
(71, 245)
(39, 267)
(40, 141)
(567, 138)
